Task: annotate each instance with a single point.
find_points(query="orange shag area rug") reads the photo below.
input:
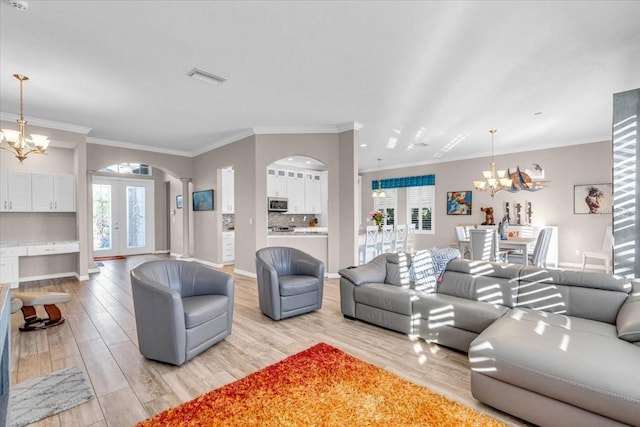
(321, 386)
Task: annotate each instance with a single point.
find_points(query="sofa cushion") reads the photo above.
(201, 309)
(628, 321)
(398, 265)
(591, 296)
(390, 298)
(577, 361)
(438, 310)
(296, 285)
(481, 281)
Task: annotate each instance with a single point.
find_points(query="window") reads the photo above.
(420, 206)
(388, 205)
(128, 168)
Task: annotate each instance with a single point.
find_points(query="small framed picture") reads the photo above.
(592, 199)
(179, 201)
(459, 203)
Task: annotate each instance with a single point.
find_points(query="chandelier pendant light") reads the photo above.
(16, 140)
(494, 180)
(379, 192)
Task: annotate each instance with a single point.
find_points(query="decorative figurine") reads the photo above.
(529, 213)
(518, 218)
(488, 216)
(507, 214)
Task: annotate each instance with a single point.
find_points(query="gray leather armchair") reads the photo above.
(290, 282)
(181, 309)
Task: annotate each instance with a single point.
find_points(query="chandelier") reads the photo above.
(16, 140)
(379, 192)
(494, 181)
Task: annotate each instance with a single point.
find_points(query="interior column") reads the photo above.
(186, 210)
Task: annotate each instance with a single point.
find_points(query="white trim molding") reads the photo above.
(131, 146)
(68, 127)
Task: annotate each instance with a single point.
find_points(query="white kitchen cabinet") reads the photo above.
(228, 198)
(15, 192)
(295, 191)
(313, 193)
(228, 246)
(53, 193)
(9, 265)
(276, 182)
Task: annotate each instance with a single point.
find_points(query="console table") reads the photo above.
(11, 252)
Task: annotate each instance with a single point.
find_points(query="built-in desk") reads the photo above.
(10, 253)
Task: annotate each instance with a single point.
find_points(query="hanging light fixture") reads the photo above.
(379, 192)
(16, 140)
(494, 181)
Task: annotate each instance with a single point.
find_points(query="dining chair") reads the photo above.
(370, 244)
(400, 237)
(387, 243)
(604, 254)
(539, 255)
(463, 241)
(411, 234)
(484, 245)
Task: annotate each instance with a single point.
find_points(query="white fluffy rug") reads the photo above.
(44, 396)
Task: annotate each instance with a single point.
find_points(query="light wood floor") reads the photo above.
(99, 336)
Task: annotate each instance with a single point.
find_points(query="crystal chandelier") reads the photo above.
(379, 192)
(494, 181)
(16, 140)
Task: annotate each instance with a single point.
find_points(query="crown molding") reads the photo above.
(339, 128)
(140, 147)
(68, 127)
(224, 141)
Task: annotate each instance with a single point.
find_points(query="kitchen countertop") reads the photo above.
(302, 232)
(49, 242)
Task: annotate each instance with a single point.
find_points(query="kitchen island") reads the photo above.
(312, 240)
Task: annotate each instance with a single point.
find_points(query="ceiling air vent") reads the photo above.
(207, 77)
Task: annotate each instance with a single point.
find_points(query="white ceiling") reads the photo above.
(440, 73)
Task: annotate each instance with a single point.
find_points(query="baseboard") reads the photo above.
(82, 278)
(245, 273)
(208, 263)
(333, 275)
(578, 266)
(166, 251)
(51, 276)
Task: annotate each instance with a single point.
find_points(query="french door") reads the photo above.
(122, 216)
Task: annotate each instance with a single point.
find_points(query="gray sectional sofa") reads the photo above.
(552, 347)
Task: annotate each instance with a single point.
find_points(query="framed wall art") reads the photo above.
(592, 199)
(203, 200)
(459, 203)
(179, 201)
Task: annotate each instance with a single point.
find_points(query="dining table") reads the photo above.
(523, 244)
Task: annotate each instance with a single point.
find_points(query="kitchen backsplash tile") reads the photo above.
(277, 219)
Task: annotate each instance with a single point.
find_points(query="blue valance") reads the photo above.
(407, 181)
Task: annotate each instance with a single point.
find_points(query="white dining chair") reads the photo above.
(539, 255)
(411, 234)
(401, 237)
(463, 241)
(387, 243)
(370, 248)
(484, 245)
(603, 254)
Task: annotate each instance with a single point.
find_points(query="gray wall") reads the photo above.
(564, 167)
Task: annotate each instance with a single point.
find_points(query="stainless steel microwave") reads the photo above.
(277, 204)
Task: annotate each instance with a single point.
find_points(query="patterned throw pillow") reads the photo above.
(428, 266)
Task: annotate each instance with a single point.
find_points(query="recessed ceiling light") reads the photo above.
(206, 76)
(537, 113)
(363, 145)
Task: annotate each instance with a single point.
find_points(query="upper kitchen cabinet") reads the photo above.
(313, 192)
(53, 193)
(15, 192)
(295, 191)
(228, 198)
(276, 182)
